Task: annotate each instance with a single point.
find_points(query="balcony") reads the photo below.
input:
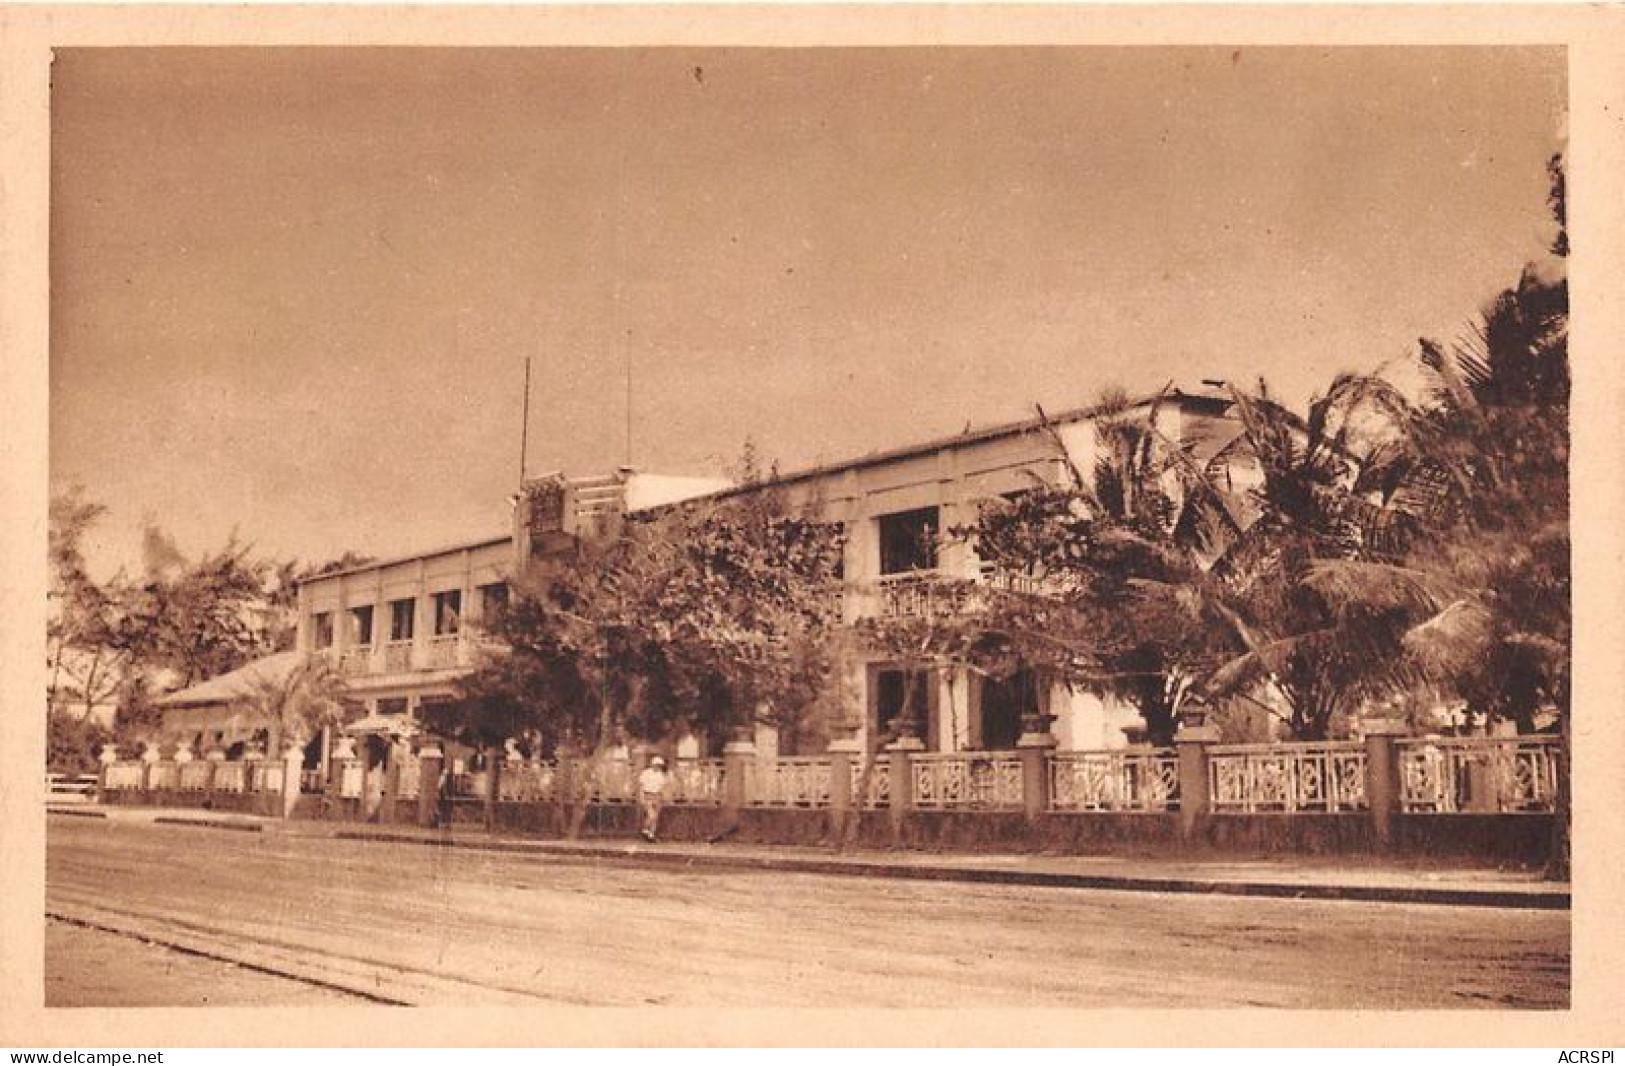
(356, 660)
(939, 594)
(397, 658)
(442, 652)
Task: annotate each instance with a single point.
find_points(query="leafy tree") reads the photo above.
(73, 743)
(703, 617)
(195, 620)
(86, 667)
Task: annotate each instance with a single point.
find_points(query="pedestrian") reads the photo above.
(651, 794)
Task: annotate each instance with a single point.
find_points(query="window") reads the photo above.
(361, 625)
(447, 607)
(891, 686)
(323, 623)
(400, 619)
(908, 541)
(396, 705)
(493, 601)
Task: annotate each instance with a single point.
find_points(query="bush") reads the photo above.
(72, 744)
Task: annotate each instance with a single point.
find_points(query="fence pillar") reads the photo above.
(493, 787)
(254, 782)
(293, 774)
(1382, 784)
(842, 755)
(1035, 751)
(431, 761)
(1192, 743)
(212, 760)
(392, 783)
(105, 760)
(1482, 787)
(900, 758)
(341, 756)
(738, 758)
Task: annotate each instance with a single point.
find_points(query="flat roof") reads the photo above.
(972, 436)
(396, 560)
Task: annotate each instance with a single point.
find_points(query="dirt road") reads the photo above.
(468, 926)
(90, 968)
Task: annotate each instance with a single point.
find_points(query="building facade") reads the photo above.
(402, 631)
(895, 505)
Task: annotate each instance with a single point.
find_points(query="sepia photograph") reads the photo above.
(940, 526)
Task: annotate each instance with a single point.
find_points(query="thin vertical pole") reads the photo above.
(628, 398)
(524, 426)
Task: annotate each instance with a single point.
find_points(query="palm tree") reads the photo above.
(1479, 474)
(1319, 499)
(297, 704)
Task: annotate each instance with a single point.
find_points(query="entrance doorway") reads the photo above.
(1004, 703)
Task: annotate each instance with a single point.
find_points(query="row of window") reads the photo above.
(446, 616)
(908, 542)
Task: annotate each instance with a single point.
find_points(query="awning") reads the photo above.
(393, 725)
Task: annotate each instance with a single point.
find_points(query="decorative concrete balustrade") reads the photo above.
(789, 782)
(1253, 778)
(1371, 793)
(967, 780)
(696, 782)
(1134, 779)
(1508, 775)
(528, 782)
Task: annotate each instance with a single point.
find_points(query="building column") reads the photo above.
(899, 754)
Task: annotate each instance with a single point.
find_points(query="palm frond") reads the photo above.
(1451, 641)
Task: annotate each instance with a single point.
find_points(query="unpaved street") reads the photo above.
(90, 968)
(466, 925)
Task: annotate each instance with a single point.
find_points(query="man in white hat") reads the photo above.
(651, 794)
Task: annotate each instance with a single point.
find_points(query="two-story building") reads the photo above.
(403, 630)
(895, 505)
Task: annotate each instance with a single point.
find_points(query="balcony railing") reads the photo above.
(924, 594)
(441, 652)
(397, 657)
(356, 660)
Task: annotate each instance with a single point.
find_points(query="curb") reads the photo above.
(211, 823)
(1459, 897)
(74, 813)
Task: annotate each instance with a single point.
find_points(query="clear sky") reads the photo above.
(293, 290)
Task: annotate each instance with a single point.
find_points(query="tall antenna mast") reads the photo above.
(628, 398)
(524, 428)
